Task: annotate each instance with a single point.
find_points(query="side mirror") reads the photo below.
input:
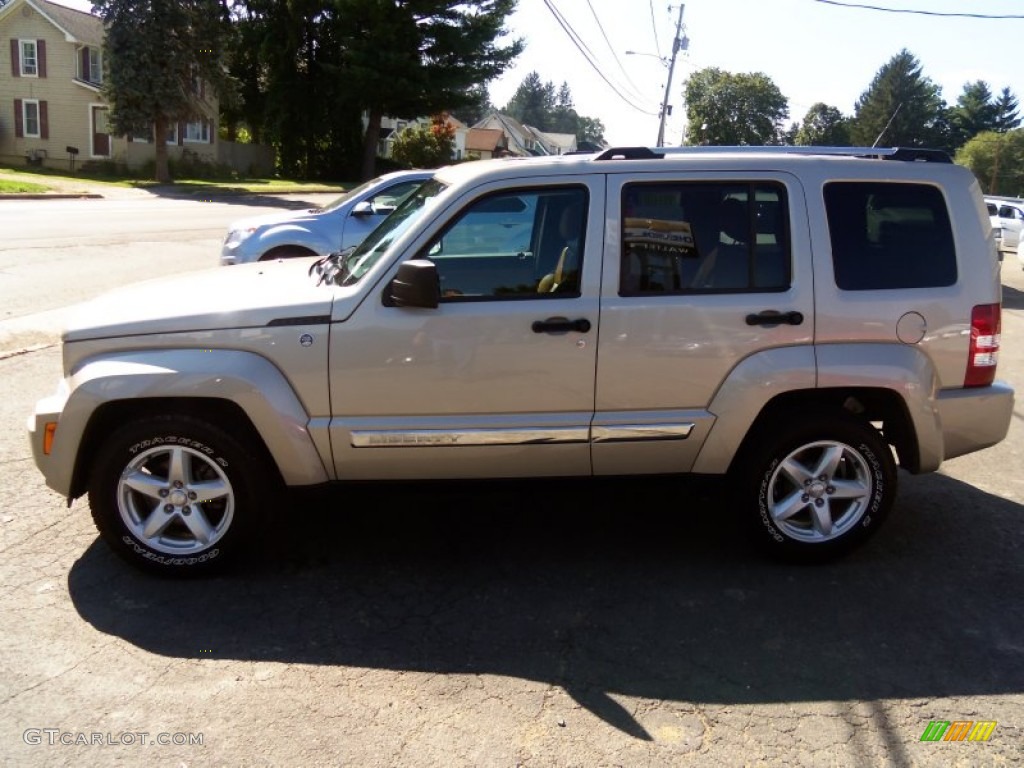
(416, 285)
(363, 209)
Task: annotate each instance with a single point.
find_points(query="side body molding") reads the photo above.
(246, 379)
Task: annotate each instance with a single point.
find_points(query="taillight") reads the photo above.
(986, 326)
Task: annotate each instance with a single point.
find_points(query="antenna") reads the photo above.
(888, 124)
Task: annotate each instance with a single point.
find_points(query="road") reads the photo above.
(58, 252)
(528, 624)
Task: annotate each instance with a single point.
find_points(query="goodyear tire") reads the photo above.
(175, 495)
(820, 487)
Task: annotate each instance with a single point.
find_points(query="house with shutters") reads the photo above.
(52, 110)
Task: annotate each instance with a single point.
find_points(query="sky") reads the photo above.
(812, 50)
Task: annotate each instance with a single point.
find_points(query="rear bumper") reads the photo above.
(973, 419)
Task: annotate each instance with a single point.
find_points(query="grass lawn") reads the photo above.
(10, 175)
(8, 187)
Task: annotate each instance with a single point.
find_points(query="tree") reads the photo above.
(533, 103)
(997, 159)
(823, 126)
(724, 108)
(975, 112)
(160, 56)
(477, 108)
(408, 59)
(425, 146)
(901, 107)
(539, 105)
(1007, 116)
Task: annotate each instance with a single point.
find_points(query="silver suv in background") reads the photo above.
(319, 231)
(801, 321)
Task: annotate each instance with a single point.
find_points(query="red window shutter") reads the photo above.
(85, 65)
(181, 134)
(15, 58)
(19, 125)
(212, 132)
(44, 121)
(41, 57)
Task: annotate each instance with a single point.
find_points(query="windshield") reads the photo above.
(350, 194)
(359, 262)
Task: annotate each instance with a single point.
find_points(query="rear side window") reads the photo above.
(704, 237)
(889, 236)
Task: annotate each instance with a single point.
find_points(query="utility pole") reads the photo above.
(677, 43)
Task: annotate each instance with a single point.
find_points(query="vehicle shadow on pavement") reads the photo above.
(232, 198)
(1012, 298)
(652, 598)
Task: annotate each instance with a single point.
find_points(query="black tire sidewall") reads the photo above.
(860, 437)
(124, 444)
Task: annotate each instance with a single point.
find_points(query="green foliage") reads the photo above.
(823, 126)
(156, 53)
(425, 146)
(477, 109)
(1007, 114)
(538, 104)
(901, 107)
(997, 159)
(309, 69)
(727, 109)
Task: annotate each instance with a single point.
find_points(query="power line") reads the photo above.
(636, 90)
(589, 56)
(922, 13)
(654, 26)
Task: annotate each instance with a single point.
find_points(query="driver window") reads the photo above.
(521, 244)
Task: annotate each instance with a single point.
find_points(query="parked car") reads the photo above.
(1009, 218)
(319, 231)
(799, 320)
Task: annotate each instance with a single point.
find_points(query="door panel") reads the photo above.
(473, 388)
(681, 276)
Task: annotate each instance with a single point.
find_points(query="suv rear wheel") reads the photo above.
(175, 495)
(819, 487)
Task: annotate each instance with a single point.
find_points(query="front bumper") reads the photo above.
(48, 411)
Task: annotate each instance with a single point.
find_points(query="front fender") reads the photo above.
(292, 235)
(251, 382)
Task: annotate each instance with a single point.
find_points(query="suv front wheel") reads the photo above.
(174, 495)
(820, 487)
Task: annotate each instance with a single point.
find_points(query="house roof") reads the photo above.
(76, 26)
(483, 139)
(566, 141)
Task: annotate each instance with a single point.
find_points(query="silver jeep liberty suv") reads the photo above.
(803, 320)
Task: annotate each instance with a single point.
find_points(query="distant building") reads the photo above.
(525, 139)
(51, 103)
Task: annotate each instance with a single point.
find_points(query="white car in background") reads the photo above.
(1007, 213)
(319, 231)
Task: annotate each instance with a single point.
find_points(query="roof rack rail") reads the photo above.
(907, 154)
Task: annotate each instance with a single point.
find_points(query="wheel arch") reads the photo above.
(878, 406)
(108, 416)
(892, 384)
(238, 389)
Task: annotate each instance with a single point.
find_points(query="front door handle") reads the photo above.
(561, 325)
(773, 317)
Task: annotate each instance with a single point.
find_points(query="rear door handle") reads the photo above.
(561, 325)
(773, 317)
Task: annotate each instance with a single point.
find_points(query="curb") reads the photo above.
(51, 196)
